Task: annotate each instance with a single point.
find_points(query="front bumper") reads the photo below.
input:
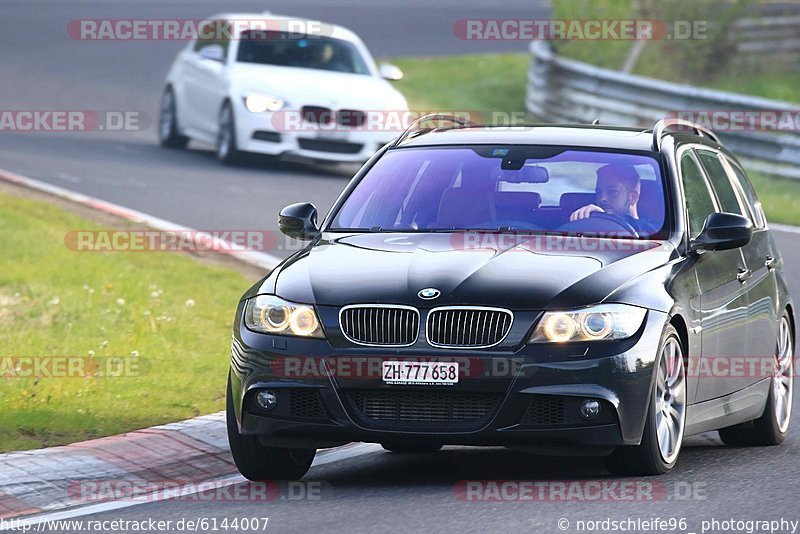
(526, 398)
(271, 134)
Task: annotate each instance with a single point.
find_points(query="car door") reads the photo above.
(723, 298)
(762, 259)
(205, 85)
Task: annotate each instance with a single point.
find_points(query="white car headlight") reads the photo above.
(273, 315)
(260, 102)
(603, 322)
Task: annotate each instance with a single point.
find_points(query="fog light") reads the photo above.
(590, 408)
(266, 399)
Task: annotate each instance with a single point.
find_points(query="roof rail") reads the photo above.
(660, 129)
(414, 130)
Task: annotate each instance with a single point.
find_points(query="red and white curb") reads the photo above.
(189, 457)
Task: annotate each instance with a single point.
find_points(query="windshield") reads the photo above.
(526, 189)
(312, 52)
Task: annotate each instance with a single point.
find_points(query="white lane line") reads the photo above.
(343, 453)
(785, 228)
(258, 259)
(324, 457)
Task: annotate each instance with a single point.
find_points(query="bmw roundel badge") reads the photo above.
(429, 293)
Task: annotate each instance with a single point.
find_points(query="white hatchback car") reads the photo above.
(292, 88)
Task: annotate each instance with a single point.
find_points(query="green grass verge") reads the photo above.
(780, 197)
(483, 83)
(167, 314)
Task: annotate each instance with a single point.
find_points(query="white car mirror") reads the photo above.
(390, 72)
(213, 52)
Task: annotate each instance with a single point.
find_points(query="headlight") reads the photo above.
(273, 315)
(603, 322)
(259, 103)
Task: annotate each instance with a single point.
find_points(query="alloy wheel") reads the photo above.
(670, 399)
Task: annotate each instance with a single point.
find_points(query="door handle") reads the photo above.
(743, 274)
(770, 262)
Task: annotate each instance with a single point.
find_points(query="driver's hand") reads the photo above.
(584, 212)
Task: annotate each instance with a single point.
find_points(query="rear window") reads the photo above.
(527, 189)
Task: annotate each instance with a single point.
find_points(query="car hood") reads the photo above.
(300, 87)
(534, 272)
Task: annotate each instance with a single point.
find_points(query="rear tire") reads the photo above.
(257, 462)
(168, 134)
(666, 417)
(773, 425)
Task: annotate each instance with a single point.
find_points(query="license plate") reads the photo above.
(332, 135)
(420, 373)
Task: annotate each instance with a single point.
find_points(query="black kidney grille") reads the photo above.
(383, 325)
(468, 327)
(317, 114)
(348, 118)
(351, 118)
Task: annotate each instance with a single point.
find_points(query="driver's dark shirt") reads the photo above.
(641, 227)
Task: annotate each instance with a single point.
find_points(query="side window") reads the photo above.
(214, 32)
(699, 204)
(740, 178)
(728, 200)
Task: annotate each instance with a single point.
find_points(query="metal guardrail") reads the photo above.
(759, 38)
(564, 90)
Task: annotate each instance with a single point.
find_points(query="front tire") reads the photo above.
(666, 417)
(227, 148)
(168, 134)
(773, 425)
(257, 462)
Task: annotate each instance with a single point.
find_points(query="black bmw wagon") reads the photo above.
(565, 290)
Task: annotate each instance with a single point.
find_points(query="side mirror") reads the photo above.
(390, 72)
(213, 52)
(723, 231)
(299, 221)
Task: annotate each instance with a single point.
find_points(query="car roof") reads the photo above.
(611, 137)
(339, 32)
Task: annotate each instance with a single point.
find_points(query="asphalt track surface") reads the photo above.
(42, 68)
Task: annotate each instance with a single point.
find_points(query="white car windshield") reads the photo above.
(305, 52)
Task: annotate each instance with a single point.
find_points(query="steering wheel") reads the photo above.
(616, 219)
